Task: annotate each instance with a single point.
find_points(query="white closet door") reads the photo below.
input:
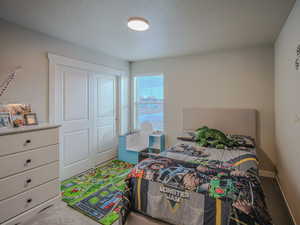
(75, 116)
(83, 99)
(105, 118)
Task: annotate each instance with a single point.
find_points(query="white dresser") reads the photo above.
(29, 171)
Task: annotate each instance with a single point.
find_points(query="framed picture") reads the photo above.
(5, 120)
(18, 120)
(30, 119)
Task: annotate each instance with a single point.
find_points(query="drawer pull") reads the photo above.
(28, 141)
(27, 162)
(27, 182)
(29, 200)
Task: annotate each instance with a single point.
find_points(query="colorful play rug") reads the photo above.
(97, 192)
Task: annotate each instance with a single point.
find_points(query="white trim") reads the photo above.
(54, 61)
(133, 101)
(118, 105)
(146, 74)
(53, 97)
(92, 67)
(266, 173)
(125, 104)
(285, 199)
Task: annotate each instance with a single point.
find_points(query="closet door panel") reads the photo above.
(76, 119)
(75, 95)
(76, 146)
(106, 136)
(85, 106)
(105, 102)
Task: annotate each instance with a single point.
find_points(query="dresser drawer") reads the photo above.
(24, 181)
(27, 200)
(29, 140)
(20, 162)
(29, 216)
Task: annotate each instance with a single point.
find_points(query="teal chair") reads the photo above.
(132, 144)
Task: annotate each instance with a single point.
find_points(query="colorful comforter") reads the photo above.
(191, 185)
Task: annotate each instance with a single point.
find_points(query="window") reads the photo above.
(149, 101)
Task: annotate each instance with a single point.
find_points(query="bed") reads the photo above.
(189, 185)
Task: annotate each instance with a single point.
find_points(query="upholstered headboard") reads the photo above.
(231, 121)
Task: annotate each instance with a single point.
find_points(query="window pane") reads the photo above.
(152, 113)
(149, 97)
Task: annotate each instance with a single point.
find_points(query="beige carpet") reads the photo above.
(61, 214)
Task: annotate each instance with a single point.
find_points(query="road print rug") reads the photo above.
(98, 192)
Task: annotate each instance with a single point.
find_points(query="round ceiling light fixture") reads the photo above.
(138, 24)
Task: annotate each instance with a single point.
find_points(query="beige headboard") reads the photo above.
(231, 121)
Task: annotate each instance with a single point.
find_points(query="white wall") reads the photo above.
(19, 46)
(287, 106)
(238, 78)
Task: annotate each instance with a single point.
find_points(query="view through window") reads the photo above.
(149, 101)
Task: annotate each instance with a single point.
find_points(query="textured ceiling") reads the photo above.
(177, 27)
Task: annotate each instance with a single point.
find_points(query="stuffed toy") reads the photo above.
(214, 138)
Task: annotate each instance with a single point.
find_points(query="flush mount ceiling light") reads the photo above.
(138, 24)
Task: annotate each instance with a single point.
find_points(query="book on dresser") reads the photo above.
(29, 172)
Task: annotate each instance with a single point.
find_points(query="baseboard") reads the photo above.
(267, 173)
(107, 157)
(285, 200)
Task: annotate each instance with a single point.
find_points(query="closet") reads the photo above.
(83, 99)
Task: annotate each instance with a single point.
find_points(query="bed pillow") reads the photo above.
(209, 137)
(242, 140)
(187, 136)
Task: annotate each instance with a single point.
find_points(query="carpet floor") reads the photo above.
(61, 214)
